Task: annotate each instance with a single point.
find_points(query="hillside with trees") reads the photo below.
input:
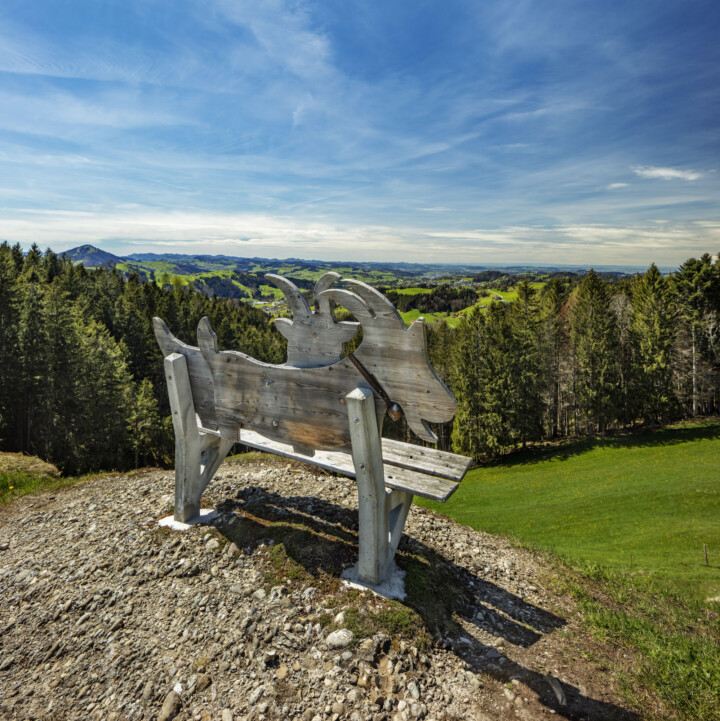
(83, 382)
(82, 375)
(570, 361)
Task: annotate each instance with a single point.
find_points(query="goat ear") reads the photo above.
(296, 300)
(166, 340)
(283, 325)
(207, 340)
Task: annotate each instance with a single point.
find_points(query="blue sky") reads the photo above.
(491, 131)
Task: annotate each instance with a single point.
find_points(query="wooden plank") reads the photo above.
(304, 407)
(401, 479)
(426, 460)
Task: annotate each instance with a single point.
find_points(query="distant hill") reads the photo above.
(92, 257)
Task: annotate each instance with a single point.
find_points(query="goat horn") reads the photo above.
(324, 282)
(376, 301)
(354, 303)
(296, 300)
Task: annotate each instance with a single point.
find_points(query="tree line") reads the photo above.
(584, 357)
(82, 382)
(82, 377)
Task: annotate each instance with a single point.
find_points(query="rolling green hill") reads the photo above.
(644, 503)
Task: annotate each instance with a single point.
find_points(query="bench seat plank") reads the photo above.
(426, 460)
(401, 479)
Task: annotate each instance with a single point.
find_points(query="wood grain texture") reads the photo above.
(373, 530)
(304, 407)
(426, 460)
(401, 479)
(314, 338)
(201, 382)
(197, 455)
(397, 357)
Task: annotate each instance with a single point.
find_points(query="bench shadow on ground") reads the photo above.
(641, 438)
(315, 540)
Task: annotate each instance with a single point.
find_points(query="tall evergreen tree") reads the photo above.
(9, 320)
(594, 347)
(697, 285)
(32, 356)
(655, 323)
(526, 361)
(554, 347)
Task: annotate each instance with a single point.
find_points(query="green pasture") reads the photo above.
(640, 503)
(413, 291)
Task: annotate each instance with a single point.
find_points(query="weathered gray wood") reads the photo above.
(426, 460)
(401, 479)
(398, 507)
(304, 407)
(314, 338)
(201, 383)
(397, 357)
(373, 532)
(286, 402)
(197, 455)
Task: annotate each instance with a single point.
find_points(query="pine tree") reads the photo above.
(654, 321)
(9, 320)
(594, 347)
(465, 373)
(32, 356)
(628, 400)
(527, 404)
(144, 421)
(554, 347)
(697, 287)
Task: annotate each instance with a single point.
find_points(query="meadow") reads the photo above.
(643, 503)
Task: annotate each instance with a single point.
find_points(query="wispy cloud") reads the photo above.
(667, 173)
(260, 235)
(311, 129)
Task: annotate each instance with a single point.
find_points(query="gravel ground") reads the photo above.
(106, 616)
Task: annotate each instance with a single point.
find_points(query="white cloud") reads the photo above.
(128, 230)
(666, 173)
(615, 186)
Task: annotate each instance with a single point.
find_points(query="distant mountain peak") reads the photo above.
(92, 257)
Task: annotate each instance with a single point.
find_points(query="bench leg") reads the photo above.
(373, 561)
(197, 455)
(398, 507)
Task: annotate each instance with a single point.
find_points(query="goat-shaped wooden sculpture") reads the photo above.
(319, 402)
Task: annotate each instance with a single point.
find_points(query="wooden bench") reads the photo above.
(318, 408)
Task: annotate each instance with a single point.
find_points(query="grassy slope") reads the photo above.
(655, 496)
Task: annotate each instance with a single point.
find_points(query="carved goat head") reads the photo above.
(314, 338)
(396, 356)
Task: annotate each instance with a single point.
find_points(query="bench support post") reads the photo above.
(197, 455)
(398, 507)
(373, 531)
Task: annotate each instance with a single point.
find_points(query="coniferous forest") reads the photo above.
(82, 377)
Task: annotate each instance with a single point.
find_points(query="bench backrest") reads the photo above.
(302, 402)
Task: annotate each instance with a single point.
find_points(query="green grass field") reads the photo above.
(644, 503)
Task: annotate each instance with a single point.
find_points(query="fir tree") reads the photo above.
(655, 323)
(594, 347)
